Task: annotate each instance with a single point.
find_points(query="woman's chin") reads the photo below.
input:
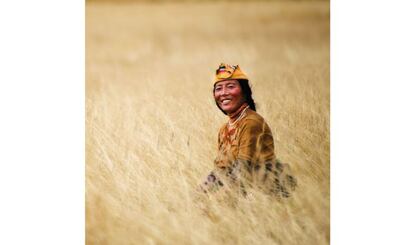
(227, 109)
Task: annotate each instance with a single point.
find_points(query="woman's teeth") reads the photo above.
(225, 102)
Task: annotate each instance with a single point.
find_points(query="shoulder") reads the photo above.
(223, 127)
(253, 119)
(221, 130)
(253, 124)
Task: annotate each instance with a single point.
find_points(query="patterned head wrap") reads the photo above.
(227, 72)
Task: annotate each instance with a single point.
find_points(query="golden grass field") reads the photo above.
(152, 124)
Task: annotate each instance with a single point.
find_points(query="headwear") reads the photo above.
(227, 72)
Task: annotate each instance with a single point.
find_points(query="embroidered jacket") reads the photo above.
(250, 139)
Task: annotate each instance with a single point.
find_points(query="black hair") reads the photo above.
(247, 93)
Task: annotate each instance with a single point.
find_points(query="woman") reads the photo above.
(245, 143)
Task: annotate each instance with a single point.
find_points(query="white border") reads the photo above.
(42, 122)
(372, 122)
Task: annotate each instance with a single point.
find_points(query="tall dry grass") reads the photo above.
(152, 123)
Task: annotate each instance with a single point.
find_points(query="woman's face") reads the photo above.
(228, 95)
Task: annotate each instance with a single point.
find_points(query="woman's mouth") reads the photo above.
(225, 101)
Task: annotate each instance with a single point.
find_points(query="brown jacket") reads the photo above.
(250, 139)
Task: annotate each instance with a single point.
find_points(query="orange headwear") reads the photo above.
(227, 72)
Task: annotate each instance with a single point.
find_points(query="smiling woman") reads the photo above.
(245, 143)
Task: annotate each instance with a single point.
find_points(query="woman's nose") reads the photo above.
(224, 91)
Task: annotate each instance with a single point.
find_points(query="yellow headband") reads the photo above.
(227, 72)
